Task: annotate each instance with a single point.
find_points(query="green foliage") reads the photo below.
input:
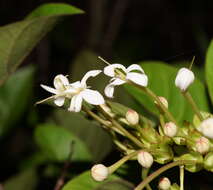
(85, 182)
(209, 70)
(14, 98)
(55, 142)
(27, 179)
(87, 131)
(18, 39)
(161, 81)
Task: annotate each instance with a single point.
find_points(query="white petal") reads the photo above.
(60, 81)
(184, 79)
(92, 73)
(117, 82)
(76, 103)
(109, 70)
(135, 67)
(92, 97)
(76, 84)
(59, 101)
(140, 79)
(49, 89)
(109, 91)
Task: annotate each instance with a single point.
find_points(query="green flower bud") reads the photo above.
(208, 162)
(175, 186)
(182, 131)
(192, 156)
(163, 154)
(150, 135)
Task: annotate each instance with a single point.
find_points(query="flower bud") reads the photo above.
(184, 79)
(163, 154)
(132, 117)
(206, 127)
(202, 145)
(164, 183)
(107, 110)
(99, 172)
(170, 129)
(192, 156)
(163, 101)
(145, 159)
(208, 162)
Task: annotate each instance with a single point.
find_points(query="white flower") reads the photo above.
(99, 172)
(184, 79)
(164, 184)
(121, 75)
(206, 127)
(80, 92)
(61, 85)
(145, 159)
(77, 92)
(170, 129)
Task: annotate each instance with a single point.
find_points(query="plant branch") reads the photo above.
(161, 170)
(60, 181)
(189, 98)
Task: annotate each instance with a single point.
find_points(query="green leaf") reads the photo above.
(85, 182)
(87, 131)
(209, 70)
(27, 179)
(55, 142)
(53, 9)
(18, 39)
(14, 97)
(161, 81)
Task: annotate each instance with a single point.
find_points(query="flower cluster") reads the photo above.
(143, 142)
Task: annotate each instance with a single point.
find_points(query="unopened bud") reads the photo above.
(145, 159)
(132, 117)
(208, 162)
(164, 183)
(163, 101)
(202, 145)
(99, 172)
(170, 129)
(107, 110)
(184, 79)
(206, 127)
(196, 157)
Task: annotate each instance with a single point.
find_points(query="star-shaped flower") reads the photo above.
(121, 75)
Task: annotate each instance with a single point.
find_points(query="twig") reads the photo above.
(60, 181)
(1, 187)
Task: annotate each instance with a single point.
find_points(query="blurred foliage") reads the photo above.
(57, 129)
(161, 81)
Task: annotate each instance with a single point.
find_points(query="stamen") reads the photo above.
(192, 62)
(105, 61)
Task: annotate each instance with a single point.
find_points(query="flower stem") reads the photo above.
(161, 170)
(123, 130)
(116, 165)
(145, 172)
(189, 98)
(155, 98)
(182, 177)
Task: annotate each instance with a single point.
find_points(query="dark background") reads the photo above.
(128, 31)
